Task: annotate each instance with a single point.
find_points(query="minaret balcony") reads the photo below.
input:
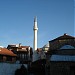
(35, 29)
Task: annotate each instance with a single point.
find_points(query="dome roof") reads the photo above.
(65, 36)
(47, 45)
(67, 47)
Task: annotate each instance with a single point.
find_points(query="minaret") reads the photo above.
(35, 28)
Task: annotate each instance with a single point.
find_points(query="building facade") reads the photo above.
(61, 55)
(7, 56)
(24, 53)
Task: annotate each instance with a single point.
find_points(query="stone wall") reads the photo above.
(62, 68)
(9, 69)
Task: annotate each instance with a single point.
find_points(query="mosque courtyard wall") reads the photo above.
(9, 68)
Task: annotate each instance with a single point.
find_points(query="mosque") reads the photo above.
(55, 58)
(61, 55)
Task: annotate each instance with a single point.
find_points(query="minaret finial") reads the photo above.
(35, 23)
(35, 19)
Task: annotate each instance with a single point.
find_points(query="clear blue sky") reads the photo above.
(55, 17)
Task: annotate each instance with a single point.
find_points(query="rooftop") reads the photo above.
(4, 51)
(65, 36)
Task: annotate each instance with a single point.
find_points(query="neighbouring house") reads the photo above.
(24, 53)
(7, 55)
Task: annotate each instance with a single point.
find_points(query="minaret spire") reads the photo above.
(35, 28)
(35, 54)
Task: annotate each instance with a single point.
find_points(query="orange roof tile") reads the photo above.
(4, 51)
(24, 46)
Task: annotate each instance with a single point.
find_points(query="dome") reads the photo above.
(67, 47)
(47, 45)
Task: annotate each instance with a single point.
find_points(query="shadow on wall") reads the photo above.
(38, 67)
(21, 71)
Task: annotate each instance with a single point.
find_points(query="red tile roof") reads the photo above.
(24, 46)
(4, 51)
(12, 45)
(19, 46)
